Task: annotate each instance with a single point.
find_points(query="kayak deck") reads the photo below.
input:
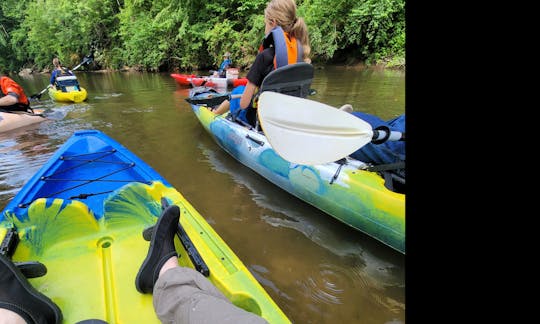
(92, 264)
(91, 241)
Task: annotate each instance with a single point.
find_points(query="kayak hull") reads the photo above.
(13, 120)
(86, 208)
(70, 96)
(354, 196)
(183, 79)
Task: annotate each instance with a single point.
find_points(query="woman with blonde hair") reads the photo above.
(59, 70)
(286, 42)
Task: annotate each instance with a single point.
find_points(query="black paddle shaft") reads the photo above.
(383, 133)
(210, 101)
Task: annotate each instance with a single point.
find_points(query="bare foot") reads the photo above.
(169, 264)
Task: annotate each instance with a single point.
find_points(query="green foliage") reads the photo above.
(148, 30)
(63, 28)
(373, 28)
(11, 14)
(159, 35)
(379, 28)
(325, 20)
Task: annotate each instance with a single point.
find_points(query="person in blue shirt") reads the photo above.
(64, 85)
(224, 65)
(59, 70)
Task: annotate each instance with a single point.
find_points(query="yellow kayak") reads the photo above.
(70, 96)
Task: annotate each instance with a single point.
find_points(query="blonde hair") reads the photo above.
(56, 62)
(283, 12)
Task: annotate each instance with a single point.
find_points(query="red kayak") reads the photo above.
(216, 82)
(183, 79)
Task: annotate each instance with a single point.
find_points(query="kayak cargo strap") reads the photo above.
(30, 269)
(9, 242)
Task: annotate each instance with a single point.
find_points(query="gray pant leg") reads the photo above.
(183, 295)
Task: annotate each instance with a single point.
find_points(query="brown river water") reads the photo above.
(317, 269)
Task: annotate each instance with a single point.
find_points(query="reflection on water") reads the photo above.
(317, 269)
(22, 153)
(326, 284)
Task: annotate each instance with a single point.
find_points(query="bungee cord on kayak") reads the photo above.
(103, 154)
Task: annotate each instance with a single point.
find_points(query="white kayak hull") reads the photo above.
(13, 120)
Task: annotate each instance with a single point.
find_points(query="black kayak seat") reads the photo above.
(293, 80)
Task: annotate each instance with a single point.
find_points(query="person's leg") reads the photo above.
(160, 251)
(18, 296)
(10, 317)
(233, 105)
(222, 108)
(182, 295)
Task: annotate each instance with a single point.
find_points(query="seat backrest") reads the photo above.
(67, 83)
(293, 79)
(67, 77)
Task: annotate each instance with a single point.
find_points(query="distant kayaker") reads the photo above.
(224, 65)
(60, 71)
(280, 20)
(222, 71)
(180, 294)
(12, 96)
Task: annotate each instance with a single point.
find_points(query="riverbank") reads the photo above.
(353, 64)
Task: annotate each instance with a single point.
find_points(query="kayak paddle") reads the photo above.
(213, 100)
(308, 132)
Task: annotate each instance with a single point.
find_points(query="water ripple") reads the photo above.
(21, 155)
(327, 286)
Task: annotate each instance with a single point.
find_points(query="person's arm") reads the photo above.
(245, 100)
(259, 69)
(53, 76)
(9, 100)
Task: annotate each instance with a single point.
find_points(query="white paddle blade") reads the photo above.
(308, 132)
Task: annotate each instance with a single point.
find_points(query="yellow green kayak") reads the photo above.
(70, 96)
(343, 189)
(82, 216)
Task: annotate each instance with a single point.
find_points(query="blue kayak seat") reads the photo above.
(67, 83)
(293, 80)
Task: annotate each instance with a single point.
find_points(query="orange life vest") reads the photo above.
(7, 85)
(287, 49)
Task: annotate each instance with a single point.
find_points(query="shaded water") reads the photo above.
(317, 269)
